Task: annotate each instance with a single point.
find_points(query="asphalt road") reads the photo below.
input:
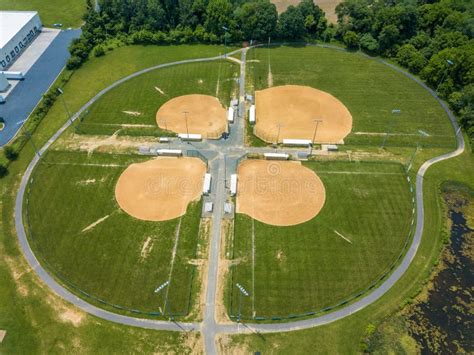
(210, 328)
(26, 95)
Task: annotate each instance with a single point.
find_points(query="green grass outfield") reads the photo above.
(69, 12)
(344, 336)
(309, 267)
(32, 319)
(106, 116)
(71, 191)
(370, 90)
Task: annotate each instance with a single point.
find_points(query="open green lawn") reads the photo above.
(32, 318)
(309, 267)
(140, 95)
(369, 89)
(71, 191)
(69, 12)
(344, 336)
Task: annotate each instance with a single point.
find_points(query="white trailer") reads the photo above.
(190, 137)
(233, 184)
(330, 147)
(208, 207)
(169, 152)
(4, 84)
(297, 142)
(13, 75)
(206, 187)
(230, 115)
(252, 114)
(276, 156)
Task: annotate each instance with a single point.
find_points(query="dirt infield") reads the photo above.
(205, 114)
(160, 189)
(281, 193)
(295, 108)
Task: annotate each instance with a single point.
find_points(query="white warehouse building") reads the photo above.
(17, 30)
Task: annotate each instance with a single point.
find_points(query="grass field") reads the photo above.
(370, 90)
(29, 312)
(308, 267)
(121, 260)
(141, 95)
(69, 13)
(344, 336)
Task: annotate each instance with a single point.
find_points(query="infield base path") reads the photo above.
(281, 193)
(160, 189)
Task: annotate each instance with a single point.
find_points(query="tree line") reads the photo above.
(188, 21)
(431, 38)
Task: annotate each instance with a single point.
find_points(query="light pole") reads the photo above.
(316, 121)
(185, 113)
(449, 62)
(244, 292)
(61, 94)
(225, 40)
(395, 111)
(29, 136)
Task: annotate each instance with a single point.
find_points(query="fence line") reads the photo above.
(355, 295)
(77, 289)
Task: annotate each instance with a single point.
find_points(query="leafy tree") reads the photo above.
(218, 15)
(351, 40)
(388, 37)
(99, 51)
(10, 153)
(314, 20)
(3, 170)
(355, 15)
(444, 40)
(258, 19)
(369, 43)
(411, 58)
(291, 23)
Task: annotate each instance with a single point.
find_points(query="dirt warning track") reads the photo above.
(281, 193)
(294, 109)
(160, 189)
(205, 116)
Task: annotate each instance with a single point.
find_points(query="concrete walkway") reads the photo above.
(230, 149)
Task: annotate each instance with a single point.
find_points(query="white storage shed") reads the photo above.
(17, 30)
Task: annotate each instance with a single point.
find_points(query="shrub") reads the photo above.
(99, 51)
(10, 153)
(3, 171)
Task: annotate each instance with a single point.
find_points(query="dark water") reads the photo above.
(444, 323)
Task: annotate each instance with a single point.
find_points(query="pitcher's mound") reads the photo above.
(205, 116)
(282, 193)
(294, 108)
(160, 189)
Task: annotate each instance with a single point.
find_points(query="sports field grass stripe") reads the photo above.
(369, 89)
(286, 292)
(105, 262)
(140, 95)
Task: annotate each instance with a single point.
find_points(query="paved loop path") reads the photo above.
(230, 148)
